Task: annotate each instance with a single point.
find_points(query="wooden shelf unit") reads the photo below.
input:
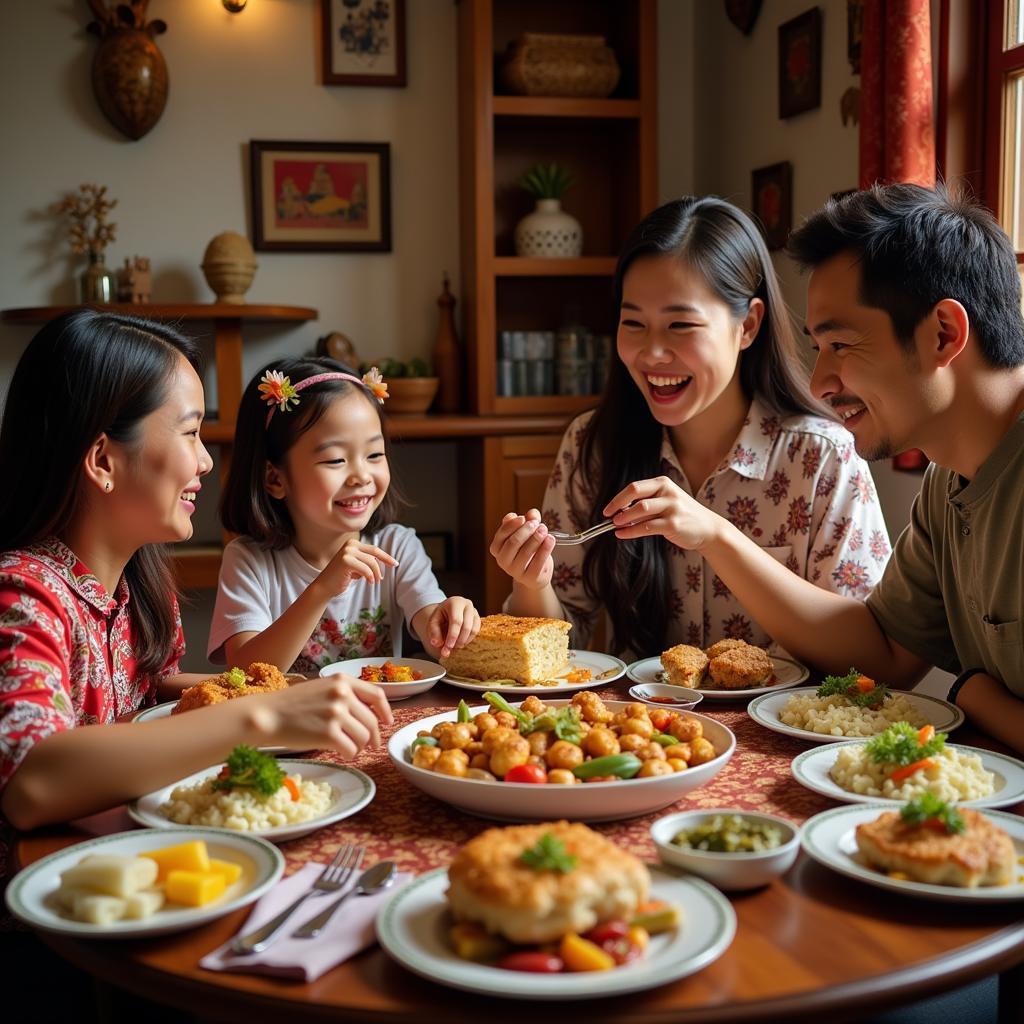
(610, 148)
(198, 566)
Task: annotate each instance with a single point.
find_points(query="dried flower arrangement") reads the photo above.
(87, 210)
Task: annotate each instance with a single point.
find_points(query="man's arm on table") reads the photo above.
(993, 709)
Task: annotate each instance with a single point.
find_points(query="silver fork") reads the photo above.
(566, 539)
(331, 879)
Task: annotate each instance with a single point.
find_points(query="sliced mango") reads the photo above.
(231, 871)
(191, 856)
(194, 888)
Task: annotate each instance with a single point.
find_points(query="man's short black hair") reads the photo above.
(917, 246)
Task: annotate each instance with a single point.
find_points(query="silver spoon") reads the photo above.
(372, 880)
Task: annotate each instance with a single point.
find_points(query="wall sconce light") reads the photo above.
(234, 6)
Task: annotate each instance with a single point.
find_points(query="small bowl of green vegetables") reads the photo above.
(732, 849)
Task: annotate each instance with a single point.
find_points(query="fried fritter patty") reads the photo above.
(983, 855)
(740, 668)
(259, 678)
(684, 665)
(490, 884)
(721, 646)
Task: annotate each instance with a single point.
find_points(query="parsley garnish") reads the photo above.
(235, 677)
(548, 854)
(928, 807)
(899, 745)
(248, 768)
(846, 686)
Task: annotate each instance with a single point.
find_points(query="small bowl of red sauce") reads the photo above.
(665, 695)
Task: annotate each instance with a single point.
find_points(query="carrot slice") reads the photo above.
(907, 770)
(865, 684)
(292, 787)
(924, 734)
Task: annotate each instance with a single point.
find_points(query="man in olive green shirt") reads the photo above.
(914, 308)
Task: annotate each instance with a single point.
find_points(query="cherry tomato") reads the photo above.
(610, 930)
(536, 962)
(526, 773)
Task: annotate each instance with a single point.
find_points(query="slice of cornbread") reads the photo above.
(528, 650)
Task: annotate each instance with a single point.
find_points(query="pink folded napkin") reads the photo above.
(349, 931)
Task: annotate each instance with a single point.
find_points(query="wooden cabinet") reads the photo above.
(609, 147)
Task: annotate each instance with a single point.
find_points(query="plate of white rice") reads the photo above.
(968, 776)
(801, 713)
(327, 793)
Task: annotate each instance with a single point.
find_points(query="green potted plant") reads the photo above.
(411, 389)
(548, 232)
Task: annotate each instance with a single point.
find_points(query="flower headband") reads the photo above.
(280, 393)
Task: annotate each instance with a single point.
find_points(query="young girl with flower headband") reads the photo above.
(321, 572)
(101, 433)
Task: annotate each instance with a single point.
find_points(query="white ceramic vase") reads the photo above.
(549, 232)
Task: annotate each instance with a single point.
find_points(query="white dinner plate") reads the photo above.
(429, 670)
(765, 711)
(526, 801)
(787, 673)
(830, 839)
(29, 896)
(164, 710)
(603, 669)
(352, 791)
(413, 929)
(811, 769)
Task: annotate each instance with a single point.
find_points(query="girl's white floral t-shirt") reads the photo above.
(257, 584)
(793, 484)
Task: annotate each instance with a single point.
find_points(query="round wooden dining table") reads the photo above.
(811, 945)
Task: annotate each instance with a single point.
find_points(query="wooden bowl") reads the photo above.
(411, 394)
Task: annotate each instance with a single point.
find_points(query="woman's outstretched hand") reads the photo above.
(337, 713)
(522, 547)
(659, 507)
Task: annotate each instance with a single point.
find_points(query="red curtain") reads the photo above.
(897, 130)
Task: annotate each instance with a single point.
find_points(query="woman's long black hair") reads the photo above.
(246, 507)
(622, 441)
(85, 374)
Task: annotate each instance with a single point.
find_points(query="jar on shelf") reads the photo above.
(97, 283)
(575, 361)
(548, 64)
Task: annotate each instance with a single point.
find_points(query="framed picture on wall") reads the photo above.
(321, 196)
(800, 63)
(363, 42)
(772, 201)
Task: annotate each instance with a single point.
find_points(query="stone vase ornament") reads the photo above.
(549, 232)
(129, 74)
(229, 265)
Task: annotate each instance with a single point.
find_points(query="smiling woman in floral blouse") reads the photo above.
(707, 398)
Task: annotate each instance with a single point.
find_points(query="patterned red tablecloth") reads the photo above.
(418, 832)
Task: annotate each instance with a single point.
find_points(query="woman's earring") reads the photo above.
(106, 486)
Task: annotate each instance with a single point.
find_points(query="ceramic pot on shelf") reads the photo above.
(549, 232)
(229, 265)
